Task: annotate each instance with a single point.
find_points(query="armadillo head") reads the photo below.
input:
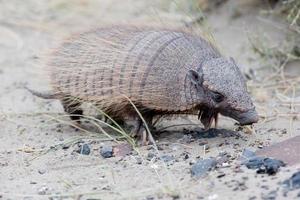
(221, 88)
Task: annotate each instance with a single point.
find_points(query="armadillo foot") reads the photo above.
(136, 126)
(72, 107)
(146, 138)
(138, 130)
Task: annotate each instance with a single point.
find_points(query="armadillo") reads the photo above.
(162, 71)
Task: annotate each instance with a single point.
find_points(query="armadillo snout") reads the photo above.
(244, 118)
(247, 118)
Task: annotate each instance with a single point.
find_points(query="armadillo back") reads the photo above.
(147, 65)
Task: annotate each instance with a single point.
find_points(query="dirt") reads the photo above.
(39, 156)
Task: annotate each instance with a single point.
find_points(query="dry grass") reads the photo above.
(274, 59)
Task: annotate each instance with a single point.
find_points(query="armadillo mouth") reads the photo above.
(207, 116)
(244, 118)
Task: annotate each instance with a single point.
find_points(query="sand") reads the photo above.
(30, 166)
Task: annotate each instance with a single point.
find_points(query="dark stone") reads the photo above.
(42, 171)
(247, 154)
(264, 165)
(106, 151)
(221, 175)
(139, 161)
(293, 182)
(150, 156)
(185, 155)
(270, 196)
(201, 167)
(149, 198)
(84, 149)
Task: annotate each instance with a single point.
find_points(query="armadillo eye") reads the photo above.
(218, 97)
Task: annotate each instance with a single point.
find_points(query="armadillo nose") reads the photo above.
(249, 117)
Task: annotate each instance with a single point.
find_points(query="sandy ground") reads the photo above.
(30, 166)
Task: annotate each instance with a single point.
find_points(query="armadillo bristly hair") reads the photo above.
(147, 65)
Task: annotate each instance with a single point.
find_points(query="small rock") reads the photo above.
(222, 158)
(167, 158)
(43, 190)
(84, 149)
(221, 174)
(42, 171)
(65, 147)
(106, 151)
(201, 167)
(225, 165)
(150, 156)
(122, 150)
(106, 187)
(270, 196)
(247, 154)
(293, 182)
(149, 198)
(139, 160)
(185, 155)
(265, 165)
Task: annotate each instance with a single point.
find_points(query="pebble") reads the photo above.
(293, 182)
(221, 174)
(167, 158)
(139, 160)
(264, 165)
(42, 171)
(202, 167)
(106, 151)
(122, 150)
(270, 196)
(150, 156)
(84, 149)
(43, 190)
(247, 154)
(185, 155)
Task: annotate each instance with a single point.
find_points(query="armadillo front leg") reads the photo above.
(72, 107)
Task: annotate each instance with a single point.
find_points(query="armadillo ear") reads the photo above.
(195, 77)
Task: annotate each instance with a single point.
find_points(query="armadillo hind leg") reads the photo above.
(137, 129)
(72, 107)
